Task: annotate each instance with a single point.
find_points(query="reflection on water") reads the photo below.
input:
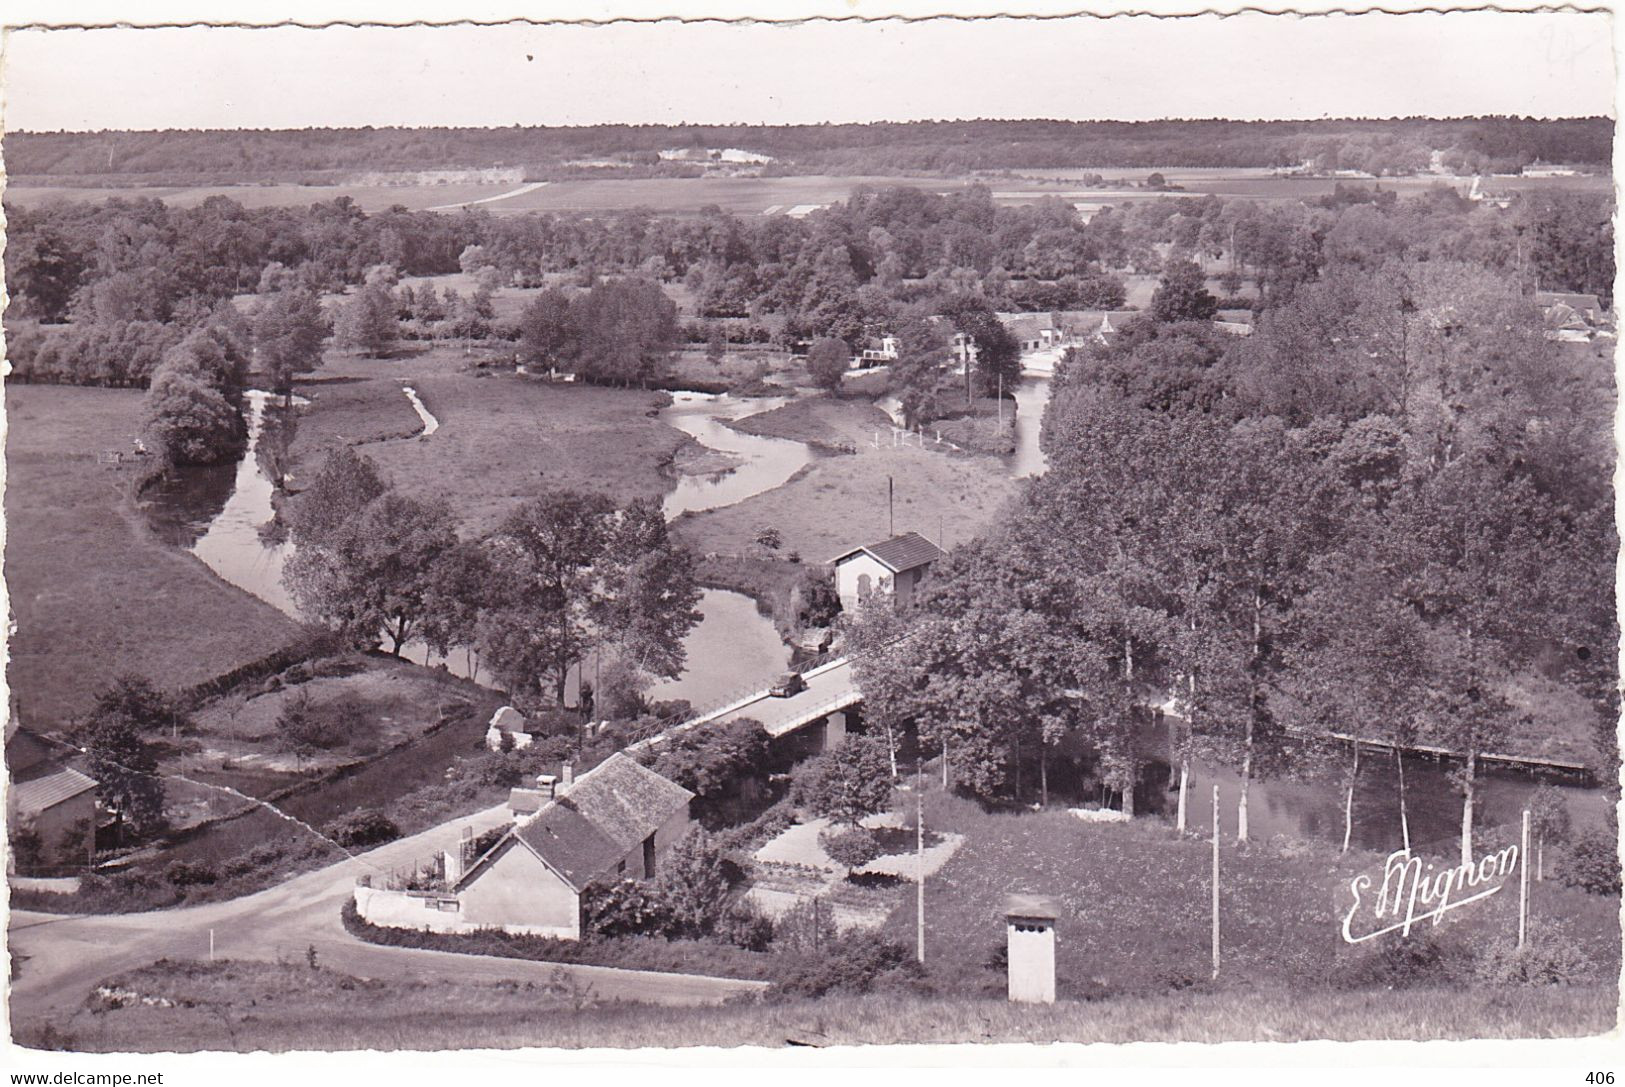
(1031, 397)
(217, 513)
(1313, 809)
(765, 463)
(733, 647)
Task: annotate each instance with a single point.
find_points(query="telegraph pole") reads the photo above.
(1215, 882)
(891, 508)
(919, 857)
(1523, 880)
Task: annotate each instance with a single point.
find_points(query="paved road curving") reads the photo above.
(63, 956)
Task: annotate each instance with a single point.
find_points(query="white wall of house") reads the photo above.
(858, 577)
(518, 893)
(406, 909)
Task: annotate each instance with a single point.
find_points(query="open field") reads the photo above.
(1135, 906)
(838, 500)
(369, 198)
(743, 195)
(94, 593)
(503, 437)
(248, 1007)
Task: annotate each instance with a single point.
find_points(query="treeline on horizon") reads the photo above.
(1494, 144)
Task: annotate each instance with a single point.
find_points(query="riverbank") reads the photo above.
(837, 502)
(95, 594)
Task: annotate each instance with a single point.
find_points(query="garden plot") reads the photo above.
(793, 868)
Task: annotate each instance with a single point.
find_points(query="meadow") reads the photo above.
(743, 195)
(94, 593)
(838, 500)
(503, 437)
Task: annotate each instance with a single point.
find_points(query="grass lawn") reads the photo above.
(247, 1007)
(840, 501)
(502, 438)
(1135, 904)
(94, 593)
(393, 701)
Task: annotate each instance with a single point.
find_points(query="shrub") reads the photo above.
(805, 928)
(851, 848)
(363, 828)
(1400, 962)
(1550, 957)
(182, 874)
(694, 884)
(765, 827)
(855, 963)
(627, 908)
(1592, 864)
(742, 926)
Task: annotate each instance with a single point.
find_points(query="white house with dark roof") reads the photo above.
(895, 566)
(617, 821)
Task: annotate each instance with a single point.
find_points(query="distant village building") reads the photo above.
(1237, 322)
(507, 730)
(895, 566)
(618, 821)
(877, 352)
(1571, 317)
(51, 798)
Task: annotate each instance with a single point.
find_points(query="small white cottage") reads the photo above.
(895, 567)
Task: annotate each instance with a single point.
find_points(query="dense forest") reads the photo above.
(1499, 144)
(124, 277)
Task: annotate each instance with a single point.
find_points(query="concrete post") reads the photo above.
(1030, 943)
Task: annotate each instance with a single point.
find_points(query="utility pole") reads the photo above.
(891, 508)
(1215, 882)
(1523, 880)
(919, 856)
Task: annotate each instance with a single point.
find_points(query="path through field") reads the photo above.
(520, 191)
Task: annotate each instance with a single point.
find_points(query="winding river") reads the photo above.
(220, 514)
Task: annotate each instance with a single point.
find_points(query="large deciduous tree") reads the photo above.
(572, 573)
(375, 572)
(288, 331)
(117, 737)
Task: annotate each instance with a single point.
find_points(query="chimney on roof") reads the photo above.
(548, 784)
(567, 778)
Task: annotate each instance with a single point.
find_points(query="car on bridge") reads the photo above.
(791, 683)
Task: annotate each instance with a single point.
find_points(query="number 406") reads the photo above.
(1600, 1077)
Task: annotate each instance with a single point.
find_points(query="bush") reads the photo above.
(805, 928)
(1592, 864)
(1401, 962)
(694, 883)
(742, 926)
(1550, 957)
(627, 908)
(850, 848)
(765, 827)
(182, 874)
(856, 963)
(363, 828)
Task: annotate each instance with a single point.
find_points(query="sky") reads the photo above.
(1245, 67)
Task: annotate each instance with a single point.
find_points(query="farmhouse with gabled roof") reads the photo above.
(894, 566)
(617, 821)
